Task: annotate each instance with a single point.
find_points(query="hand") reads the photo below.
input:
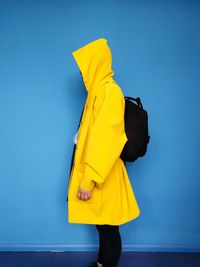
(83, 194)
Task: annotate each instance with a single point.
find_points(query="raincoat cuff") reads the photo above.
(86, 182)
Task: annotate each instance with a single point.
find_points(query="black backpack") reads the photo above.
(136, 128)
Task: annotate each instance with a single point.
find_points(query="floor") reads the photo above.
(83, 259)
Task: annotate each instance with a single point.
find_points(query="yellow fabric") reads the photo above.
(101, 138)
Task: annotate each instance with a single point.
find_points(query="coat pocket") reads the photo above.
(96, 191)
(98, 101)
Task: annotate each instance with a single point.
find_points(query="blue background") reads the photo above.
(155, 47)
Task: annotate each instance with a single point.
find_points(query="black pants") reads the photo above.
(110, 245)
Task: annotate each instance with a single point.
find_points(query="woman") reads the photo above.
(99, 190)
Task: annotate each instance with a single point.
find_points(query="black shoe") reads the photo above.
(93, 264)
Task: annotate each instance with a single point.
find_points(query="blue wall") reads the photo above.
(155, 47)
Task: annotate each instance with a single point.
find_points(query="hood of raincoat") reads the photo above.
(95, 63)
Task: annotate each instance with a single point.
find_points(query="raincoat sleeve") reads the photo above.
(106, 140)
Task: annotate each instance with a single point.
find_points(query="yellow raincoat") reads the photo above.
(101, 138)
